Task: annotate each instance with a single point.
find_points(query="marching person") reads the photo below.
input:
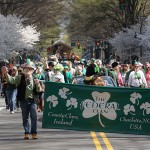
(102, 70)
(147, 75)
(92, 68)
(40, 95)
(136, 77)
(58, 76)
(28, 105)
(113, 72)
(11, 90)
(125, 69)
(67, 75)
(50, 72)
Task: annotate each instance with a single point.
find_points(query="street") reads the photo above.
(84, 66)
(11, 137)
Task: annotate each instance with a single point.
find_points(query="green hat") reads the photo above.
(136, 63)
(66, 67)
(58, 67)
(93, 59)
(29, 64)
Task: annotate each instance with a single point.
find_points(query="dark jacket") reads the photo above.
(22, 89)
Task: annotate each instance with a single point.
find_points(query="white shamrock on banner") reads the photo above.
(135, 98)
(72, 102)
(146, 108)
(129, 109)
(63, 92)
(53, 100)
(99, 107)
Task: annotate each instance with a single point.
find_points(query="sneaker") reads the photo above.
(34, 136)
(26, 137)
(12, 112)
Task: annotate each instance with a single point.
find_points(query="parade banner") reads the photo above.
(91, 108)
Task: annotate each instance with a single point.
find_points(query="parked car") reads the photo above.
(78, 80)
(108, 80)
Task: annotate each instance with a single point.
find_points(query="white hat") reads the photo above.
(29, 64)
(140, 64)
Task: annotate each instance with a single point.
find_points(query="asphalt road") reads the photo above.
(12, 133)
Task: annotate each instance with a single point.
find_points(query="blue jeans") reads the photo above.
(29, 107)
(11, 97)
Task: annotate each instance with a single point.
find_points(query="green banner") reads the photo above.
(91, 108)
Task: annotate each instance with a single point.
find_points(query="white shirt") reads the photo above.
(50, 75)
(133, 81)
(59, 77)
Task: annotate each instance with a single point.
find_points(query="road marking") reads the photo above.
(96, 141)
(106, 141)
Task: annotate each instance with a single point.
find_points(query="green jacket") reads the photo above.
(29, 87)
(103, 71)
(114, 76)
(68, 77)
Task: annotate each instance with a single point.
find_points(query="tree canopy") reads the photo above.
(15, 36)
(103, 18)
(47, 15)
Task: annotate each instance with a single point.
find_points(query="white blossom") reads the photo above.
(127, 38)
(145, 37)
(15, 36)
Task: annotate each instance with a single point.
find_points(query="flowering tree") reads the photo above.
(29, 36)
(145, 37)
(15, 36)
(126, 39)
